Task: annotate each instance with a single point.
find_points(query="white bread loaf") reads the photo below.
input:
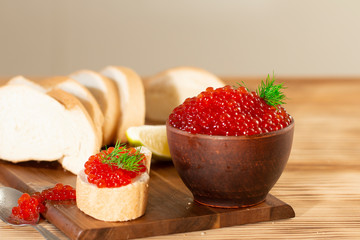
(45, 126)
(105, 92)
(167, 90)
(132, 98)
(114, 204)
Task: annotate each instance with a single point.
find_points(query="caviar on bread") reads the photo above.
(233, 111)
(114, 184)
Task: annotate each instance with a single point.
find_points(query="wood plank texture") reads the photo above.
(321, 181)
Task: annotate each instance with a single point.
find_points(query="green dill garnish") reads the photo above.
(123, 158)
(271, 92)
(242, 84)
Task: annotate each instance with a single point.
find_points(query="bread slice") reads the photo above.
(132, 98)
(166, 90)
(83, 94)
(45, 126)
(105, 92)
(114, 204)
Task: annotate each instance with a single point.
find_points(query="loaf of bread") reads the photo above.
(105, 92)
(37, 124)
(132, 98)
(166, 90)
(114, 204)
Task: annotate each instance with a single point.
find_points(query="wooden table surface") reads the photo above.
(322, 178)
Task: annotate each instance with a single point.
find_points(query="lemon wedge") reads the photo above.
(152, 137)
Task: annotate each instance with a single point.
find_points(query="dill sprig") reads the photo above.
(242, 84)
(123, 158)
(271, 92)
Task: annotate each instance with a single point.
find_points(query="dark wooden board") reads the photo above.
(170, 209)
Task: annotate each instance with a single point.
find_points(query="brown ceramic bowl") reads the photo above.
(230, 171)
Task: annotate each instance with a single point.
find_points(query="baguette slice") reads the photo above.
(105, 92)
(132, 98)
(45, 126)
(114, 204)
(83, 94)
(167, 90)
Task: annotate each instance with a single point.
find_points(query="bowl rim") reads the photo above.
(220, 137)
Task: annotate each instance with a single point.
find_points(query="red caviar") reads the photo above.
(30, 207)
(228, 111)
(105, 173)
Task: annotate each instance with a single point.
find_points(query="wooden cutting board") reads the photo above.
(170, 209)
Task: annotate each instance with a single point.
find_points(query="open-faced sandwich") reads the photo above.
(113, 186)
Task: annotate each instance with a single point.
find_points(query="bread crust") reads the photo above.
(114, 204)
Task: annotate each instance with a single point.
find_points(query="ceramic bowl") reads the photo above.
(230, 171)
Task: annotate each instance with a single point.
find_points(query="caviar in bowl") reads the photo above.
(230, 171)
(229, 145)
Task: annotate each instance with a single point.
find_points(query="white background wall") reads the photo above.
(226, 37)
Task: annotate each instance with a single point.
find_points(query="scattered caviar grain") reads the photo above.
(30, 206)
(228, 111)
